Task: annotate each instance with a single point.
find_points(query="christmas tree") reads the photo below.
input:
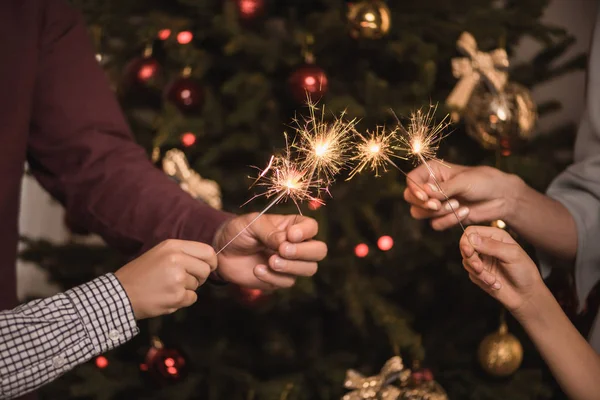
(221, 80)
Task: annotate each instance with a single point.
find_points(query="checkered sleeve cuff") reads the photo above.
(105, 311)
(42, 339)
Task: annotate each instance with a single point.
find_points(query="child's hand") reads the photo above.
(166, 277)
(500, 266)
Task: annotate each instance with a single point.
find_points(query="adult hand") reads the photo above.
(271, 253)
(498, 265)
(166, 277)
(477, 194)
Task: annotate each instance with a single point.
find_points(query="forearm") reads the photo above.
(542, 221)
(573, 362)
(43, 339)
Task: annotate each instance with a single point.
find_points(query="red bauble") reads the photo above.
(185, 94)
(166, 365)
(308, 80)
(143, 71)
(250, 9)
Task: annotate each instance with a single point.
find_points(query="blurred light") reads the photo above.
(143, 367)
(385, 243)
(249, 7)
(101, 362)
(315, 204)
(147, 72)
(172, 370)
(310, 81)
(164, 34)
(188, 139)
(169, 362)
(185, 37)
(361, 250)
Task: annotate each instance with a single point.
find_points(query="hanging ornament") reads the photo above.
(475, 68)
(308, 79)
(381, 386)
(143, 71)
(501, 121)
(185, 93)
(250, 9)
(497, 113)
(176, 166)
(164, 365)
(369, 19)
(500, 353)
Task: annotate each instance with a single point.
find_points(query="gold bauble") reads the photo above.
(500, 353)
(369, 19)
(500, 120)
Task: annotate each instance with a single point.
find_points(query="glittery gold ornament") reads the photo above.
(176, 165)
(381, 386)
(500, 120)
(500, 353)
(369, 19)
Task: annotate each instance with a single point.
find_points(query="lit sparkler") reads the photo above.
(421, 141)
(284, 180)
(323, 146)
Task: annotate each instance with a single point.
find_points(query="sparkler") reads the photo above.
(374, 151)
(283, 179)
(323, 146)
(421, 141)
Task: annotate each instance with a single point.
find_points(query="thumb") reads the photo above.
(267, 233)
(505, 252)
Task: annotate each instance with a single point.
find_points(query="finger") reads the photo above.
(429, 204)
(302, 229)
(458, 184)
(189, 298)
(506, 252)
(200, 251)
(191, 283)
(450, 219)
(438, 210)
(486, 277)
(491, 232)
(266, 231)
(275, 279)
(415, 181)
(297, 268)
(197, 268)
(313, 250)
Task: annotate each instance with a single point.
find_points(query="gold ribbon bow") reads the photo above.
(379, 386)
(472, 68)
(176, 165)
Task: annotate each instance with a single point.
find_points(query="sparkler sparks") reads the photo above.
(422, 140)
(323, 146)
(374, 151)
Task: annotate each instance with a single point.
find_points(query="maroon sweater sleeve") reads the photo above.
(81, 150)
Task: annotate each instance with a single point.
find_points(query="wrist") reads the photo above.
(514, 194)
(536, 306)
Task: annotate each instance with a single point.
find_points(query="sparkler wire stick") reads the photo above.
(267, 208)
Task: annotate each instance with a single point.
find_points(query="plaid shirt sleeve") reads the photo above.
(43, 339)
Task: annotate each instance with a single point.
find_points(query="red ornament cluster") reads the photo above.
(164, 364)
